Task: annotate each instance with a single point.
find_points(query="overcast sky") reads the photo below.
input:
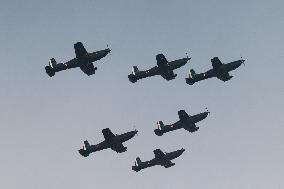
(44, 121)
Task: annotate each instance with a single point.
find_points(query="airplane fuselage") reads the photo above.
(187, 124)
(159, 161)
(220, 72)
(117, 139)
(85, 62)
(165, 69)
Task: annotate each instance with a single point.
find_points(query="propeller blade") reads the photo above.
(186, 55)
(207, 110)
(134, 127)
(109, 49)
(243, 61)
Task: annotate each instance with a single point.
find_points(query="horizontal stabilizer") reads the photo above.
(50, 71)
(84, 153)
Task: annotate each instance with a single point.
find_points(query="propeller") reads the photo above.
(109, 49)
(134, 127)
(206, 109)
(186, 55)
(243, 61)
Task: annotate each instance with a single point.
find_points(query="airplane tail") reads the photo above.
(136, 167)
(50, 69)
(87, 144)
(160, 125)
(84, 151)
(192, 73)
(191, 77)
(159, 130)
(134, 70)
(138, 161)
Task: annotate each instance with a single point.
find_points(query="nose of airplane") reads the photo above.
(187, 59)
(207, 113)
(135, 132)
(183, 61)
(181, 151)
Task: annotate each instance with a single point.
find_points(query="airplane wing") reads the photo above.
(168, 75)
(119, 148)
(191, 128)
(89, 69)
(225, 76)
(216, 63)
(158, 153)
(167, 163)
(107, 134)
(79, 50)
(161, 60)
(182, 115)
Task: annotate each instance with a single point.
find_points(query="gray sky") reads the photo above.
(44, 121)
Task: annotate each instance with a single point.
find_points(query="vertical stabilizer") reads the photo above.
(138, 161)
(52, 62)
(87, 144)
(192, 73)
(134, 70)
(160, 125)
